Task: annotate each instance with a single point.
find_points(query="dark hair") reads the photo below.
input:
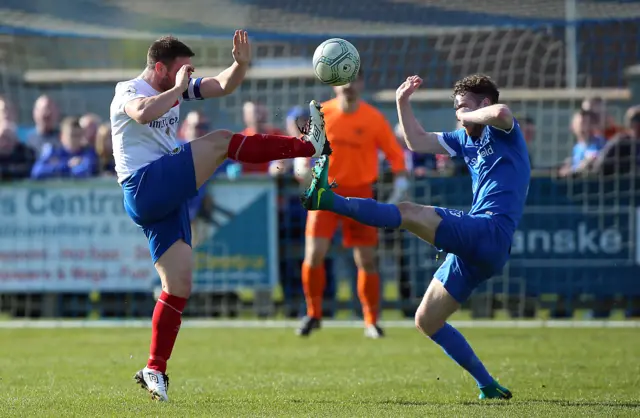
(593, 116)
(479, 85)
(71, 122)
(166, 50)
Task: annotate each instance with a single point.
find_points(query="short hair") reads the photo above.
(479, 85)
(166, 50)
(590, 114)
(70, 122)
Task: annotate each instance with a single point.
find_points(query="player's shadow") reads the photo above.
(563, 402)
(498, 403)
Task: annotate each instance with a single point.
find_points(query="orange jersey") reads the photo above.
(355, 140)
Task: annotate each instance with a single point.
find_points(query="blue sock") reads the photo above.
(457, 347)
(368, 211)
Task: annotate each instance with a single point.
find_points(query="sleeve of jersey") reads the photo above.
(125, 93)
(502, 133)
(451, 142)
(193, 90)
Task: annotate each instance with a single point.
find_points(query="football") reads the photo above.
(336, 62)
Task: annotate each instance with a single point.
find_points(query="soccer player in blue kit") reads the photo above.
(478, 243)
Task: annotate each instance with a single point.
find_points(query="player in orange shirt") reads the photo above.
(357, 132)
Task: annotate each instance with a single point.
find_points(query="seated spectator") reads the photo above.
(104, 150)
(16, 159)
(621, 154)
(588, 144)
(89, 123)
(604, 124)
(45, 117)
(70, 158)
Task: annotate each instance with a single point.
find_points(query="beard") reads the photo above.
(165, 84)
(474, 129)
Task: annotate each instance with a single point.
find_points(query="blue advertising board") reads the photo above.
(237, 247)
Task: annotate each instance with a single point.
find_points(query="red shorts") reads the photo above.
(323, 224)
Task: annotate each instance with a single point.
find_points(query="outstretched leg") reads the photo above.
(212, 149)
(438, 304)
(422, 221)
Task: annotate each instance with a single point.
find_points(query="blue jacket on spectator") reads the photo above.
(586, 150)
(54, 163)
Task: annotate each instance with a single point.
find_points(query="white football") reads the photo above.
(336, 62)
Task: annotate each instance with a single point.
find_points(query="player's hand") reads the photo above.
(407, 88)
(241, 47)
(182, 77)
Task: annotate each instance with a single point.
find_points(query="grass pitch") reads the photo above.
(335, 373)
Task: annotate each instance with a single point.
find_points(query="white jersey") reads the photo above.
(136, 145)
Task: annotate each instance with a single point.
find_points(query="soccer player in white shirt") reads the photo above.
(158, 177)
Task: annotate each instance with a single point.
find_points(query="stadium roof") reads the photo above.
(212, 18)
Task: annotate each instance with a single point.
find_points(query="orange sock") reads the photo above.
(369, 294)
(313, 282)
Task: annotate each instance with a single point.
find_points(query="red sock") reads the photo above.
(262, 148)
(164, 329)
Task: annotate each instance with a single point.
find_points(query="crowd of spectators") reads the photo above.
(77, 147)
(80, 146)
(601, 146)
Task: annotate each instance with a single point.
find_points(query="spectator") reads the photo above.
(16, 159)
(621, 155)
(89, 124)
(587, 146)
(604, 124)
(255, 118)
(45, 116)
(195, 125)
(104, 150)
(7, 113)
(70, 158)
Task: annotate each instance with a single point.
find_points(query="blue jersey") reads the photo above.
(582, 150)
(500, 170)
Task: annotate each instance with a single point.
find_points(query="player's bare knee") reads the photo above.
(219, 140)
(426, 322)
(314, 258)
(175, 273)
(178, 282)
(315, 251)
(423, 221)
(365, 259)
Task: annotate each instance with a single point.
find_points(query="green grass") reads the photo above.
(335, 373)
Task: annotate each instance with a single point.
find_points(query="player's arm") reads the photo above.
(416, 138)
(147, 109)
(497, 115)
(230, 79)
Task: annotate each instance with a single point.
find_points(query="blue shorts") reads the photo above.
(157, 197)
(478, 247)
